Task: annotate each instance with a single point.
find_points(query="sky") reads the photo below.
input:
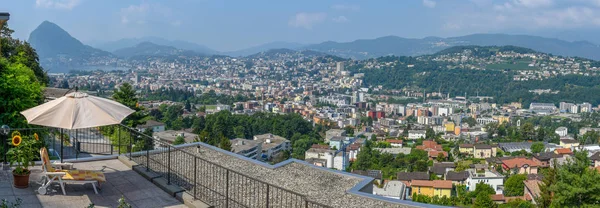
(228, 25)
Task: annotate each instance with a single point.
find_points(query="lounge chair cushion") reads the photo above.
(84, 175)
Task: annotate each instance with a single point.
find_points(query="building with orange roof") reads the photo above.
(428, 144)
(563, 151)
(532, 189)
(432, 148)
(521, 165)
(433, 188)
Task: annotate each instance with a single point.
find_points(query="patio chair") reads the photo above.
(51, 174)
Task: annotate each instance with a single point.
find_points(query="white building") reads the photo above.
(561, 131)
(495, 180)
(272, 145)
(155, 125)
(416, 134)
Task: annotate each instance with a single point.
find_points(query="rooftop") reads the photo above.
(151, 123)
(435, 183)
(519, 162)
(171, 135)
(238, 145)
(485, 174)
(270, 140)
(409, 176)
(457, 176)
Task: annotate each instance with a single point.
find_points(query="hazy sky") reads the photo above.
(230, 25)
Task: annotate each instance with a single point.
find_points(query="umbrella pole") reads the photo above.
(62, 143)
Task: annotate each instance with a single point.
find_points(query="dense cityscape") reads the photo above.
(410, 140)
(482, 120)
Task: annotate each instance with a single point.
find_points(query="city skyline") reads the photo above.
(245, 24)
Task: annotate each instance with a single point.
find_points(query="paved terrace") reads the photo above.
(328, 187)
(121, 181)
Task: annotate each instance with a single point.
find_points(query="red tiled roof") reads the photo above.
(519, 162)
(422, 183)
(563, 151)
(434, 153)
(394, 141)
(442, 184)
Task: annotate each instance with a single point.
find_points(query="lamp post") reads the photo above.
(4, 16)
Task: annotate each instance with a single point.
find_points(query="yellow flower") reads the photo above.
(16, 140)
(35, 135)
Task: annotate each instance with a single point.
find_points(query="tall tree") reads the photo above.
(537, 147)
(514, 185)
(576, 184)
(126, 95)
(483, 200)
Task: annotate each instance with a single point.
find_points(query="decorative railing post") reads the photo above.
(195, 176)
(130, 143)
(147, 160)
(169, 165)
(226, 187)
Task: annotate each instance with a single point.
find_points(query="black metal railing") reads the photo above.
(212, 183)
(206, 181)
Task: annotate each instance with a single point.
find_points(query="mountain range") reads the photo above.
(57, 48)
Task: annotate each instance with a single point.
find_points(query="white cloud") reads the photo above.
(143, 13)
(346, 7)
(57, 4)
(533, 3)
(525, 17)
(429, 3)
(340, 19)
(307, 20)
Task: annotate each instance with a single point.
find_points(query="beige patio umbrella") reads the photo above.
(77, 110)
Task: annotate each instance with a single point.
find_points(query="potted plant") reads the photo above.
(21, 156)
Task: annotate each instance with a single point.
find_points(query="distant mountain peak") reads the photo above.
(51, 42)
